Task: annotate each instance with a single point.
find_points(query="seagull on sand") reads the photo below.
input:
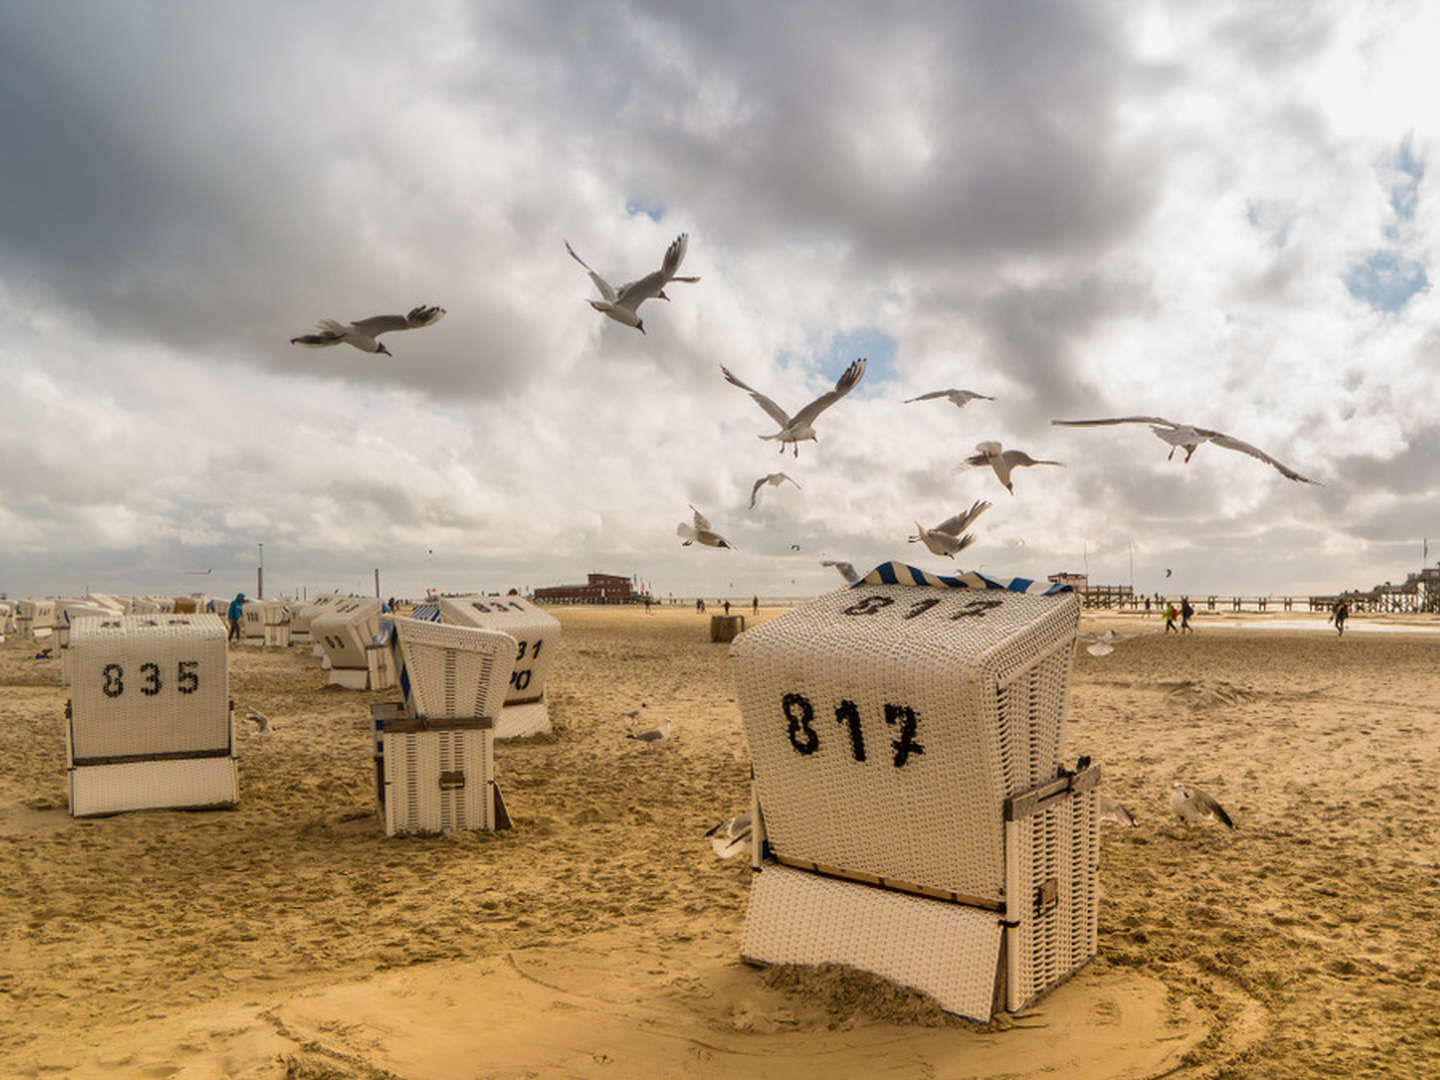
(957, 397)
(655, 734)
(730, 838)
(262, 722)
(1110, 810)
(945, 539)
(701, 532)
(1002, 461)
(620, 304)
(796, 429)
(634, 714)
(1190, 437)
(1196, 806)
(1102, 644)
(775, 478)
(847, 570)
(363, 332)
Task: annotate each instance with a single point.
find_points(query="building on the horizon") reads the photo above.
(598, 589)
(1078, 582)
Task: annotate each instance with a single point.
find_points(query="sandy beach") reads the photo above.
(600, 937)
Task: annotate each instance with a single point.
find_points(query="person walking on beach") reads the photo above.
(755, 605)
(235, 614)
(727, 607)
(1340, 612)
(1185, 612)
(1147, 605)
(1170, 618)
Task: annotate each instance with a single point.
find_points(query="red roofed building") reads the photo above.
(598, 589)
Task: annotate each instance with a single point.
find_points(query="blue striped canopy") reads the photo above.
(898, 573)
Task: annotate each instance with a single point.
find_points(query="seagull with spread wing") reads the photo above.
(701, 533)
(363, 332)
(731, 837)
(775, 478)
(1196, 807)
(945, 539)
(621, 304)
(847, 570)
(1003, 461)
(958, 398)
(1190, 437)
(796, 429)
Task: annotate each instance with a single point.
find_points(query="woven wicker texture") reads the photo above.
(149, 684)
(33, 616)
(953, 698)
(439, 780)
(536, 634)
(452, 671)
(153, 785)
(948, 951)
(345, 629)
(1054, 872)
(302, 616)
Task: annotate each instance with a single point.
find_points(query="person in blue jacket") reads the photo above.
(236, 613)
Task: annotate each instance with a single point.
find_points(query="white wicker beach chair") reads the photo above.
(436, 748)
(34, 618)
(347, 633)
(899, 737)
(537, 638)
(149, 714)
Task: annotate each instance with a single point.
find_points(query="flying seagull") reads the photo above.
(957, 397)
(621, 304)
(1110, 810)
(1196, 806)
(796, 429)
(729, 838)
(775, 478)
(945, 539)
(847, 570)
(1002, 461)
(262, 722)
(655, 734)
(1190, 437)
(701, 532)
(363, 332)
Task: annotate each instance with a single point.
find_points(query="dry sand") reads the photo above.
(291, 938)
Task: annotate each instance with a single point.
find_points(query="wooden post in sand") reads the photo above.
(726, 627)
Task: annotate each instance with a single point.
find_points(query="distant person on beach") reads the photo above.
(1340, 612)
(1147, 605)
(1170, 614)
(235, 614)
(727, 607)
(1185, 612)
(755, 605)
(647, 603)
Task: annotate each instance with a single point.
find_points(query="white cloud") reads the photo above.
(1081, 210)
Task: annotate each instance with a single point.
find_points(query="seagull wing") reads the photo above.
(1120, 420)
(632, 293)
(847, 570)
(776, 413)
(957, 524)
(843, 386)
(756, 490)
(1206, 802)
(775, 479)
(701, 521)
(600, 283)
(928, 397)
(376, 325)
(1219, 438)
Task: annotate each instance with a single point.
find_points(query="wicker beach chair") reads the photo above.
(916, 820)
(537, 638)
(435, 749)
(149, 714)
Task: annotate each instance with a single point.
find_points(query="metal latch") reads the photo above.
(1047, 896)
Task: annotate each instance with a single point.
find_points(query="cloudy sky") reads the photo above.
(1220, 213)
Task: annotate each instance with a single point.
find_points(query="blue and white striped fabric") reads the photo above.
(898, 573)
